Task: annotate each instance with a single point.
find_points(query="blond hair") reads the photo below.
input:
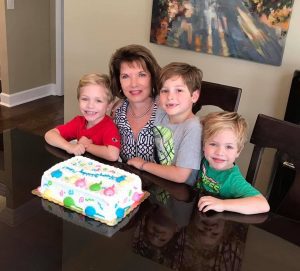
(217, 121)
(191, 75)
(96, 79)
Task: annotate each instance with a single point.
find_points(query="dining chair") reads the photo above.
(225, 97)
(283, 136)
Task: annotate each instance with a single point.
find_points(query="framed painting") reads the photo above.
(254, 30)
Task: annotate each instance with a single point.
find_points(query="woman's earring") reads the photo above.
(120, 90)
(153, 91)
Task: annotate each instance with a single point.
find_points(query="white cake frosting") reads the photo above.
(86, 186)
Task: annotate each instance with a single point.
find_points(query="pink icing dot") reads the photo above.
(81, 199)
(136, 196)
(61, 193)
(80, 183)
(110, 191)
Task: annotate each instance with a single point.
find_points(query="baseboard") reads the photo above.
(10, 100)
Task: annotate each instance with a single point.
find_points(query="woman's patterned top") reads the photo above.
(144, 145)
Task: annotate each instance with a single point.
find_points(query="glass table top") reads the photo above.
(166, 232)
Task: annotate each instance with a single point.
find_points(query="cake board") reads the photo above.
(109, 223)
(85, 221)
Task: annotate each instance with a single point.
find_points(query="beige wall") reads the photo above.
(28, 45)
(3, 48)
(94, 29)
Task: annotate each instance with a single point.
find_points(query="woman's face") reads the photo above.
(135, 81)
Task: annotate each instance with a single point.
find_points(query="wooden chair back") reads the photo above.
(284, 137)
(222, 96)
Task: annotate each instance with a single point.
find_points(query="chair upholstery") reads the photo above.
(222, 96)
(284, 137)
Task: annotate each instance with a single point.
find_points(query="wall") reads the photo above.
(3, 48)
(28, 43)
(95, 30)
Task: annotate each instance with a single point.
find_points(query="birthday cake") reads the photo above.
(102, 192)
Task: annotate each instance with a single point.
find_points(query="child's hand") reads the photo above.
(85, 141)
(207, 203)
(76, 149)
(137, 162)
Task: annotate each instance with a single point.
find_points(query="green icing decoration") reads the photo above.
(95, 187)
(68, 202)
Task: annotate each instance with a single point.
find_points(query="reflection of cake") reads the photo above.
(84, 221)
(99, 191)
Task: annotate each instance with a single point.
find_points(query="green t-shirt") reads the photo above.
(227, 184)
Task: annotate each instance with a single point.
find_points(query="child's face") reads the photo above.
(135, 81)
(176, 99)
(160, 234)
(93, 103)
(221, 149)
(209, 230)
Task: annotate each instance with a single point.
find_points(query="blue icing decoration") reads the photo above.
(120, 179)
(71, 192)
(90, 211)
(56, 174)
(120, 212)
(97, 175)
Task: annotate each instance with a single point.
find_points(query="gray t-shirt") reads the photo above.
(178, 144)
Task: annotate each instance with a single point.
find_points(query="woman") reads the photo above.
(134, 73)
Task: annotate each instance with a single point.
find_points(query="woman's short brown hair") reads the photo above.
(132, 53)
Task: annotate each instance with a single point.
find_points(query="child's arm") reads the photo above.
(172, 173)
(110, 153)
(249, 205)
(240, 218)
(54, 138)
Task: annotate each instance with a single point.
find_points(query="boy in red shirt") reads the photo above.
(94, 131)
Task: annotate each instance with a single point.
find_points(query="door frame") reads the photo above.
(59, 47)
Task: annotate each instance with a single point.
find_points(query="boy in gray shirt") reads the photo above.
(177, 130)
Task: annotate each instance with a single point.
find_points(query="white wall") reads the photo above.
(95, 29)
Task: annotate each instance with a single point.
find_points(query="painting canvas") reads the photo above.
(254, 30)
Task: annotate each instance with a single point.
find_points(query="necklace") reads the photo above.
(133, 115)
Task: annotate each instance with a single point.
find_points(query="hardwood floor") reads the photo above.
(37, 116)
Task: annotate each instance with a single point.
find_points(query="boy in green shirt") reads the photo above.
(224, 135)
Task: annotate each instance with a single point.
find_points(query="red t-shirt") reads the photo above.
(103, 133)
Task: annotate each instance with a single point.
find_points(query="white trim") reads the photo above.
(58, 46)
(28, 95)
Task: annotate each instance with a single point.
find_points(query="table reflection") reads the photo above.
(160, 232)
(20, 172)
(213, 243)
